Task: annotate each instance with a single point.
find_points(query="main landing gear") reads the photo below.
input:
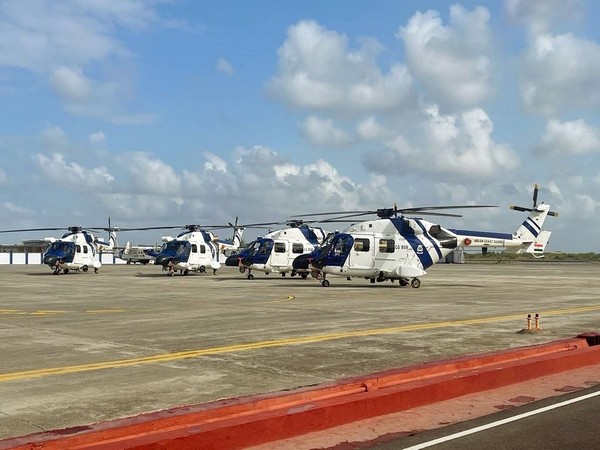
(415, 282)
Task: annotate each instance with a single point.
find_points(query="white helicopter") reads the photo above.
(276, 251)
(396, 247)
(194, 249)
(76, 250)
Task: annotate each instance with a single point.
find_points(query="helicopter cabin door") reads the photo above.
(362, 252)
(280, 253)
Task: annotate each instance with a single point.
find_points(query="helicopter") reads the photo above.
(76, 250)
(397, 247)
(194, 249)
(276, 251)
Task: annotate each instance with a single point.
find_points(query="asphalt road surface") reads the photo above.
(566, 422)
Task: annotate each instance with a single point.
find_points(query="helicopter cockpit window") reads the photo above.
(386, 245)
(62, 247)
(342, 245)
(279, 247)
(361, 245)
(203, 249)
(297, 247)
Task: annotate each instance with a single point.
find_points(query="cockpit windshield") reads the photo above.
(61, 248)
(177, 249)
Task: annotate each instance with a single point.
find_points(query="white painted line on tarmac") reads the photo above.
(501, 422)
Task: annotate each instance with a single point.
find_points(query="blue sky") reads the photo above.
(178, 111)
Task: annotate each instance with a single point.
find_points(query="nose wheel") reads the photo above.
(325, 283)
(416, 283)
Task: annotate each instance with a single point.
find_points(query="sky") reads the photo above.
(174, 112)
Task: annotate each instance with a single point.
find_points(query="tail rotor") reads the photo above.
(535, 206)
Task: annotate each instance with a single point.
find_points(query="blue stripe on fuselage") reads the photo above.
(485, 234)
(430, 238)
(409, 234)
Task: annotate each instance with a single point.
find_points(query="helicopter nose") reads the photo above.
(162, 260)
(301, 262)
(50, 260)
(232, 261)
(317, 263)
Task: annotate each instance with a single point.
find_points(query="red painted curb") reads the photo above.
(253, 420)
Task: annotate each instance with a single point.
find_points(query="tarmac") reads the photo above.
(81, 348)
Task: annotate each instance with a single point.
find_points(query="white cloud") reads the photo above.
(323, 133)
(72, 175)
(214, 163)
(97, 138)
(370, 129)
(561, 72)
(54, 138)
(452, 145)
(150, 175)
(71, 84)
(569, 138)
(11, 208)
(318, 71)
(541, 15)
(452, 62)
(224, 66)
(57, 41)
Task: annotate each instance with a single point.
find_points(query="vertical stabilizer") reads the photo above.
(531, 228)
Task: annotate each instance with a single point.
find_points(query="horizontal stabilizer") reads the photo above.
(538, 246)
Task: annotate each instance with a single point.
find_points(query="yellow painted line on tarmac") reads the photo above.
(169, 357)
(288, 299)
(45, 312)
(51, 312)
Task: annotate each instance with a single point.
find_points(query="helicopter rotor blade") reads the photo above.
(34, 229)
(520, 208)
(535, 195)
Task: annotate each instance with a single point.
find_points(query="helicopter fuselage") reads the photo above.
(383, 249)
(192, 251)
(277, 251)
(74, 251)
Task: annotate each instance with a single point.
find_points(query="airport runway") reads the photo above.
(83, 348)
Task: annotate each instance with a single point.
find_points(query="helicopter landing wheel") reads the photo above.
(84, 269)
(95, 270)
(283, 274)
(325, 283)
(403, 282)
(56, 271)
(65, 271)
(186, 271)
(304, 276)
(214, 271)
(242, 269)
(202, 269)
(250, 276)
(416, 283)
